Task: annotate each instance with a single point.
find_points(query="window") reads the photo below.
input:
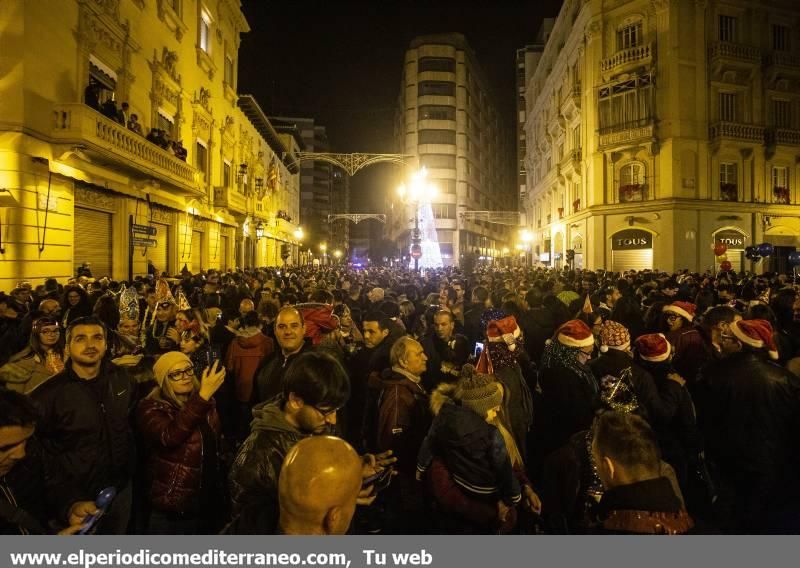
(780, 184)
(229, 71)
(728, 182)
(226, 174)
(727, 28)
(780, 38)
(437, 88)
(782, 113)
(446, 186)
(631, 183)
(437, 137)
(432, 161)
(165, 122)
(626, 104)
(437, 112)
(629, 36)
(446, 64)
(444, 211)
(201, 157)
(205, 31)
(727, 107)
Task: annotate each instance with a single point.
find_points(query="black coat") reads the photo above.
(85, 431)
(439, 352)
(752, 412)
(269, 378)
(655, 406)
(23, 489)
(569, 403)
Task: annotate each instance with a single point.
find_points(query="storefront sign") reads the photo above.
(731, 239)
(632, 239)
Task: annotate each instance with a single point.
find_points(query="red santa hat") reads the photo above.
(505, 329)
(757, 334)
(653, 347)
(684, 309)
(575, 333)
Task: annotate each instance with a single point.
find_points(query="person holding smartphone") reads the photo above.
(179, 422)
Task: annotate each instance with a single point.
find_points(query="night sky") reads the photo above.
(340, 62)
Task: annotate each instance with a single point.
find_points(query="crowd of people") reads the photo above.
(308, 400)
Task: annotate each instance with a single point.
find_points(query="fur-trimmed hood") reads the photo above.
(443, 394)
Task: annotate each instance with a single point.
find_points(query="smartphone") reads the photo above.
(212, 355)
(478, 349)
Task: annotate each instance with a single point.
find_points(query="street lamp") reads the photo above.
(322, 248)
(526, 237)
(259, 231)
(417, 192)
(298, 233)
(337, 254)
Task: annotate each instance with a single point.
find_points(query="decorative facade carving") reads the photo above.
(169, 61)
(203, 98)
(85, 195)
(161, 215)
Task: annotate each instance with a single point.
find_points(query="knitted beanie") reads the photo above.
(614, 335)
(479, 392)
(165, 364)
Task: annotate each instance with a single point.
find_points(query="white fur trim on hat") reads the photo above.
(604, 348)
(680, 311)
(508, 338)
(752, 341)
(572, 342)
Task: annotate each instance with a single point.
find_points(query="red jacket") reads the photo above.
(245, 356)
(174, 464)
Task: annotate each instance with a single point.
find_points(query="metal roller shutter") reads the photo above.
(160, 253)
(641, 259)
(197, 251)
(224, 253)
(93, 240)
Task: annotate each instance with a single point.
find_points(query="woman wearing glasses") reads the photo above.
(41, 359)
(179, 422)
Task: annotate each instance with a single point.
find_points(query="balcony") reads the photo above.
(571, 102)
(230, 199)
(76, 123)
(783, 59)
(633, 57)
(737, 131)
(723, 50)
(784, 136)
(629, 133)
(571, 159)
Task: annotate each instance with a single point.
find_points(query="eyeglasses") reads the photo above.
(55, 331)
(326, 413)
(177, 375)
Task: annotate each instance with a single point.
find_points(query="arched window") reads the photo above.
(631, 183)
(630, 33)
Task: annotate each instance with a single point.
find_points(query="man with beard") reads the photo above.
(290, 330)
(446, 350)
(84, 429)
(314, 390)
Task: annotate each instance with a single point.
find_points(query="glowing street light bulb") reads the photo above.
(401, 191)
(298, 234)
(526, 235)
(337, 253)
(323, 247)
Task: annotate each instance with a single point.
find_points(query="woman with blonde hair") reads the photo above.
(179, 422)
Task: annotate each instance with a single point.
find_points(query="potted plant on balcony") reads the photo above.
(631, 192)
(728, 192)
(576, 205)
(781, 195)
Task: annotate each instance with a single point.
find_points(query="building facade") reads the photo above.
(324, 188)
(81, 182)
(447, 118)
(656, 129)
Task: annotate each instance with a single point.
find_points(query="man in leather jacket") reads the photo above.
(85, 430)
(314, 389)
(752, 407)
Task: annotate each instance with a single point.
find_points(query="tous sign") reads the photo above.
(631, 239)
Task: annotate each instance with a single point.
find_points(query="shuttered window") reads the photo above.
(159, 254)
(197, 251)
(641, 259)
(93, 240)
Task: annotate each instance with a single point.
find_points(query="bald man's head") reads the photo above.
(318, 486)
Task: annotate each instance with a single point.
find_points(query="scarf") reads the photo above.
(557, 355)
